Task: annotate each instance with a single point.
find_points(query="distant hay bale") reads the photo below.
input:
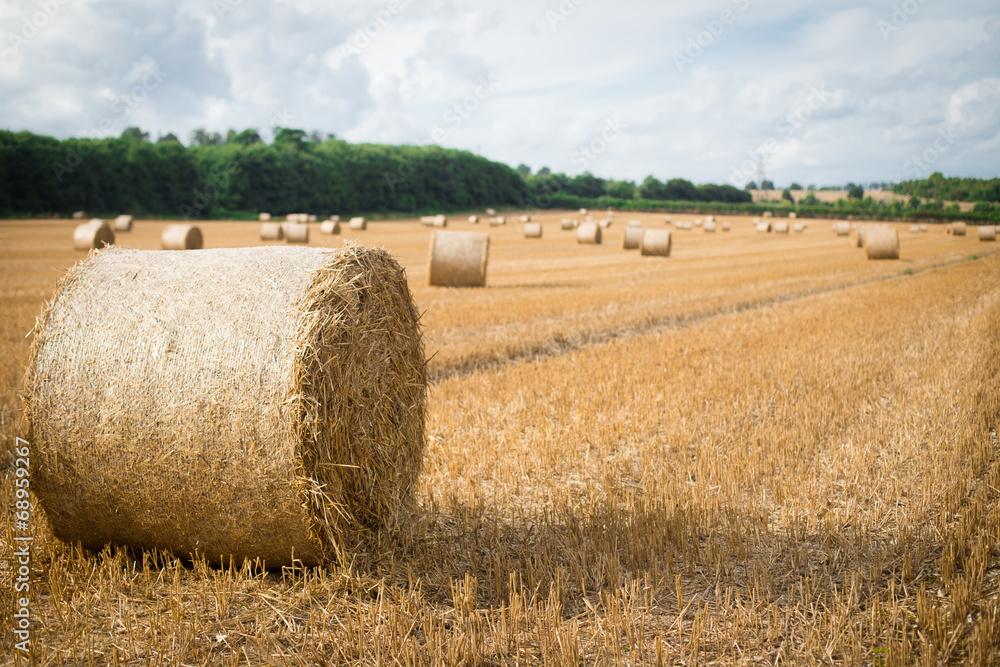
(358, 224)
(882, 243)
(583, 211)
(710, 218)
(568, 223)
(474, 219)
(439, 221)
(311, 218)
(669, 219)
(798, 228)
(726, 226)
(958, 229)
(458, 259)
(79, 215)
(272, 231)
(684, 226)
(632, 238)
(297, 232)
(606, 223)
(710, 227)
(525, 218)
(656, 243)
(781, 227)
(491, 211)
(181, 237)
(914, 229)
(842, 228)
(93, 235)
(947, 228)
(334, 218)
(763, 227)
(756, 220)
(793, 215)
(263, 217)
(498, 221)
(292, 217)
(768, 214)
(330, 227)
(588, 233)
(698, 222)
(123, 223)
(533, 230)
(635, 223)
(987, 233)
(179, 401)
(427, 220)
(923, 228)
(859, 236)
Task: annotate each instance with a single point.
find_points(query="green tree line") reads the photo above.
(938, 187)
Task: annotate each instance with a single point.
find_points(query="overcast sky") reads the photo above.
(821, 92)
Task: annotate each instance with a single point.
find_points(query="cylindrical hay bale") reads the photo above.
(635, 223)
(923, 228)
(292, 217)
(297, 232)
(726, 226)
(272, 231)
(358, 223)
(525, 218)
(656, 243)
(123, 223)
(330, 227)
(710, 227)
(842, 229)
(798, 228)
(91, 235)
(491, 211)
(987, 233)
(958, 228)
(859, 236)
(588, 233)
(947, 228)
(882, 243)
(177, 401)
(793, 215)
(605, 223)
(567, 223)
(710, 218)
(427, 220)
(79, 215)
(698, 222)
(440, 221)
(498, 221)
(334, 218)
(781, 227)
(914, 229)
(181, 237)
(533, 230)
(763, 227)
(312, 218)
(768, 214)
(263, 217)
(583, 211)
(632, 238)
(458, 259)
(669, 219)
(474, 219)
(685, 226)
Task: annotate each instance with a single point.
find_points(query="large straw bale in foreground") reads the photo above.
(882, 243)
(93, 234)
(458, 259)
(181, 237)
(588, 232)
(656, 242)
(272, 231)
(632, 238)
(179, 401)
(987, 234)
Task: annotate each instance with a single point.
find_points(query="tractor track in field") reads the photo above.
(559, 344)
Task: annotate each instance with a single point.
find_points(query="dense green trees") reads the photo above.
(937, 186)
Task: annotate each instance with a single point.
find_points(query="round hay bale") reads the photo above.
(263, 217)
(567, 223)
(842, 228)
(632, 238)
(533, 230)
(92, 235)
(297, 232)
(958, 229)
(923, 228)
(684, 226)
(292, 217)
(635, 223)
(330, 227)
(79, 215)
(458, 259)
(177, 401)
(914, 229)
(859, 236)
(710, 218)
(498, 221)
(334, 218)
(768, 214)
(439, 221)
(793, 215)
(123, 223)
(583, 211)
(427, 220)
(798, 228)
(491, 211)
(726, 226)
(588, 233)
(698, 222)
(525, 218)
(763, 227)
(710, 227)
(947, 228)
(656, 243)
(474, 219)
(272, 231)
(605, 223)
(669, 219)
(181, 237)
(987, 233)
(882, 243)
(781, 227)
(358, 224)
(312, 218)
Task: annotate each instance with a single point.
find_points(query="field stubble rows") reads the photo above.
(761, 449)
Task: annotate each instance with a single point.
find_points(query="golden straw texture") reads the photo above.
(458, 259)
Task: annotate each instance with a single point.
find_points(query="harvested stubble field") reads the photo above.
(763, 449)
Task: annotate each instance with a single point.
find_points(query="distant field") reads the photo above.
(763, 449)
(831, 196)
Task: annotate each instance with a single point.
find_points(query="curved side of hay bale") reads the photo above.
(458, 259)
(491, 211)
(272, 231)
(798, 228)
(533, 230)
(123, 223)
(987, 234)
(763, 227)
(588, 233)
(567, 223)
(439, 221)
(263, 217)
(923, 228)
(656, 243)
(92, 235)
(842, 228)
(181, 237)
(635, 223)
(793, 215)
(297, 232)
(632, 238)
(474, 219)
(958, 228)
(914, 229)
(525, 218)
(79, 215)
(330, 227)
(669, 219)
(726, 226)
(882, 243)
(710, 226)
(271, 419)
(358, 223)
(781, 227)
